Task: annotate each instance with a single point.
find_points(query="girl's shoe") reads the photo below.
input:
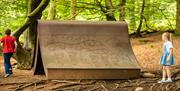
(7, 75)
(162, 81)
(168, 81)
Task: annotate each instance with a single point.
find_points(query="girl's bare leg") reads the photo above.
(164, 73)
(168, 71)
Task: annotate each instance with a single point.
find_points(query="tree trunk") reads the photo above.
(26, 33)
(122, 10)
(33, 26)
(52, 10)
(178, 18)
(141, 20)
(29, 37)
(24, 56)
(73, 10)
(110, 12)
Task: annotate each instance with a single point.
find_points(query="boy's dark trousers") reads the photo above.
(7, 64)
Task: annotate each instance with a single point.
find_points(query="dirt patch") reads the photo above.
(147, 50)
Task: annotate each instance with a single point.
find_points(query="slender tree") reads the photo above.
(107, 9)
(73, 10)
(132, 17)
(52, 10)
(122, 10)
(178, 18)
(110, 12)
(141, 19)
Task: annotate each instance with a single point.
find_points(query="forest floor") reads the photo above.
(147, 51)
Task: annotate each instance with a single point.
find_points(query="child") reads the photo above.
(8, 46)
(167, 58)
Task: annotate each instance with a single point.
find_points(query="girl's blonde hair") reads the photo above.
(168, 36)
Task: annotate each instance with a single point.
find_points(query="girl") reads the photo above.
(167, 59)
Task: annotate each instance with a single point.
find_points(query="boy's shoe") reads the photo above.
(162, 81)
(7, 75)
(10, 71)
(168, 81)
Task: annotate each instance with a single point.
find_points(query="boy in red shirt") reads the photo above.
(8, 47)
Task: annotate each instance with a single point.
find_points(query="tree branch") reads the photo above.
(147, 24)
(31, 17)
(39, 9)
(101, 7)
(21, 29)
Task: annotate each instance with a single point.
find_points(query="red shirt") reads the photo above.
(8, 44)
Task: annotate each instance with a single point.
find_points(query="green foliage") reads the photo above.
(160, 15)
(12, 14)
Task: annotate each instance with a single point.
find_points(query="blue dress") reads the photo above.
(163, 60)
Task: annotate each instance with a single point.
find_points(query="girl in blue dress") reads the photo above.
(167, 58)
